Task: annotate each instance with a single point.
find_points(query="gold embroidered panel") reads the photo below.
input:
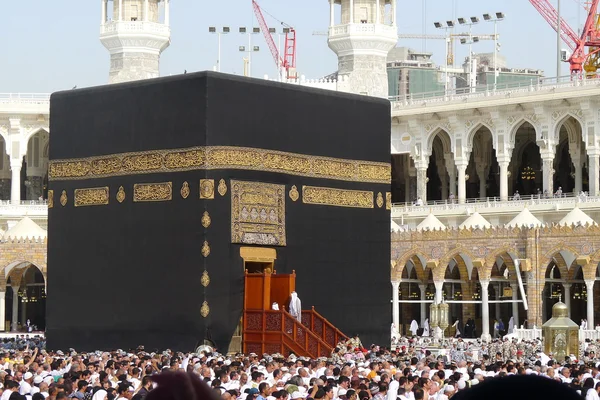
(91, 197)
(153, 191)
(257, 213)
(220, 157)
(337, 197)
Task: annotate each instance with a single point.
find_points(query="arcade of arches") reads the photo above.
(29, 172)
(474, 268)
(469, 168)
(23, 277)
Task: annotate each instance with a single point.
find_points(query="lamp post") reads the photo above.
(499, 17)
(472, 39)
(449, 25)
(212, 29)
(251, 49)
(438, 318)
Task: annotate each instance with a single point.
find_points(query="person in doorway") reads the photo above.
(496, 330)
(501, 327)
(426, 328)
(414, 327)
(457, 326)
(511, 324)
(296, 307)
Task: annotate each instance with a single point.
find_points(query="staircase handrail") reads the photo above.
(339, 335)
(309, 332)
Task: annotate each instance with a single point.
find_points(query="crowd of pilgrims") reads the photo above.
(409, 371)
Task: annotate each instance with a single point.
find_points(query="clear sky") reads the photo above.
(49, 45)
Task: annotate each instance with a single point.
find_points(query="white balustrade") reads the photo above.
(533, 334)
(134, 26)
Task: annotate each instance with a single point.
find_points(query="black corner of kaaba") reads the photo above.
(156, 186)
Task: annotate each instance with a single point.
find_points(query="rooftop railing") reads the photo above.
(24, 98)
(482, 91)
(516, 202)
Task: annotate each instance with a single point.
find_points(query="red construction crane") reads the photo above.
(288, 61)
(580, 59)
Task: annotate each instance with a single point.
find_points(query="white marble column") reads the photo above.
(15, 309)
(104, 12)
(422, 183)
(23, 313)
(485, 310)
(462, 183)
(2, 311)
(394, 5)
(167, 12)
(120, 10)
(351, 11)
(146, 10)
(503, 180)
(594, 167)
(567, 297)
(578, 176)
(439, 294)
(395, 305)
(331, 13)
(423, 289)
(590, 303)
(548, 173)
(515, 305)
(15, 183)
(377, 12)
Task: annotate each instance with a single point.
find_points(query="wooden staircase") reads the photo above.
(270, 331)
(273, 332)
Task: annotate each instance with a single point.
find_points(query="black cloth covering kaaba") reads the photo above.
(138, 169)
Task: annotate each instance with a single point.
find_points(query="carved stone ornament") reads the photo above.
(207, 189)
(205, 249)
(204, 310)
(206, 219)
(379, 200)
(50, 198)
(63, 198)
(185, 190)
(294, 194)
(121, 195)
(222, 189)
(205, 280)
(388, 200)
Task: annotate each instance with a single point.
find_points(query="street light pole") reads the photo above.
(212, 29)
(499, 17)
(449, 25)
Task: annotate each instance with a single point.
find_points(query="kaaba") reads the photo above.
(157, 186)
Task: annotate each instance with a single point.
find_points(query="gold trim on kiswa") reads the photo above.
(153, 191)
(91, 197)
(220, 157)
(337, 197)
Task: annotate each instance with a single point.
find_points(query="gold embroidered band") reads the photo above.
(337, 197)
(91, 197)
(220, 157)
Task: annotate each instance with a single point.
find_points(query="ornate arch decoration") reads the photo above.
(555, 255)
(444, 136)
(570, 126)
(458, 252)
(514, 128)
(476, 128)
(32, 132)
(400, 263)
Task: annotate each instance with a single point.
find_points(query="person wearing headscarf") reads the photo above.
(511, 325)
(296, 307)
(414, 327)
(100, 395)
(426, 328)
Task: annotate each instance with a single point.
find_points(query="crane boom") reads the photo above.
(288, 62)
(590, 36)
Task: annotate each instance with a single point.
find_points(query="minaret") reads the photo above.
(362, 41)
(135, 34)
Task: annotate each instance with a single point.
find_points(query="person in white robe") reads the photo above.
(275, 306)
(296, 307)
(455, 325)
(511, 325)
(414, 327)
(426, 328)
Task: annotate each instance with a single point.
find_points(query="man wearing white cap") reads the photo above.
(25, 385)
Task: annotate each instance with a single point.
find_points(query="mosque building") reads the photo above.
(494, 192)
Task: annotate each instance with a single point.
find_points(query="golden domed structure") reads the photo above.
(561, 334)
